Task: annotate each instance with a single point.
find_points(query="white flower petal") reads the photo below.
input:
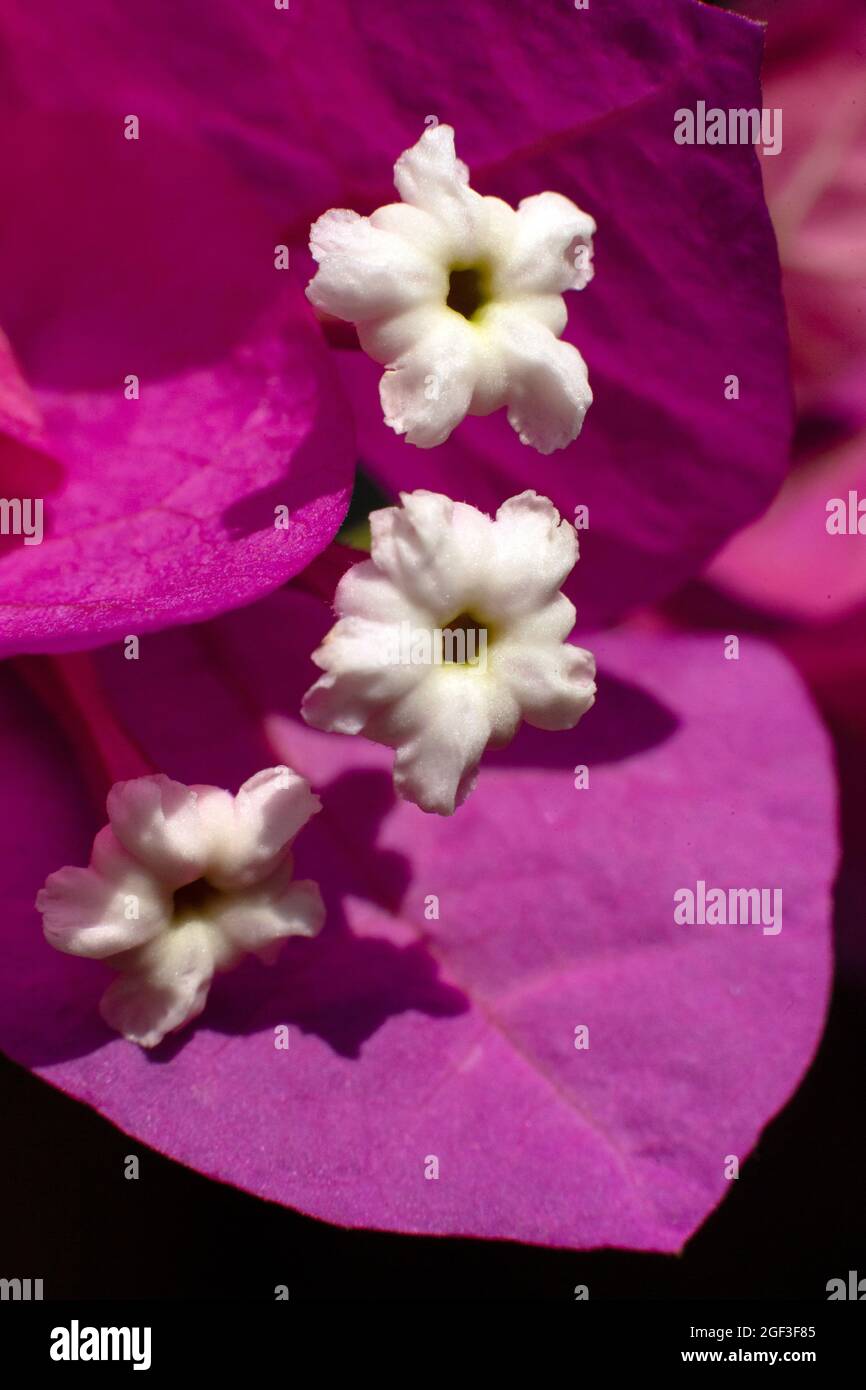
(433, 550)
(164, 985)
(443, 727)
(419, 229)
(165, 925)
(366, 272)
(453, 565)
(431, 177)
(546, 622)
(548, 387)
(554, 685)
(273, 806)
(157, 820)
(536, 551)
(389, 339)
(246, 834)
(459, 296)
(362, 669)
(366, 592)
(427, 391)
(111, 906)
(258, 920)
(551, 250)
(547, 309)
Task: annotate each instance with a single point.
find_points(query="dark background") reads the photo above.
(793, 1219)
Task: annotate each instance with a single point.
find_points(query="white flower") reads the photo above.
(460, 297)
(442, 570)
(182, 882)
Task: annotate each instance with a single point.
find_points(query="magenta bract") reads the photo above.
(176, 416)
(438, 1013)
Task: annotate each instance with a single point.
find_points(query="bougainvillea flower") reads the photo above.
(170, 406)
(449, 635)
(438, 1023)
(312, 105)
(686, 293)
(182, 882)
(460, 297)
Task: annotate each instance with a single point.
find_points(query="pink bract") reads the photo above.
(312, 105)
(413, 1035)
(172, 406)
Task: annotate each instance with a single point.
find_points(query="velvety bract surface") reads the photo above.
(686, 291)
(312, 105)
(173, 391)
(413, 1035)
